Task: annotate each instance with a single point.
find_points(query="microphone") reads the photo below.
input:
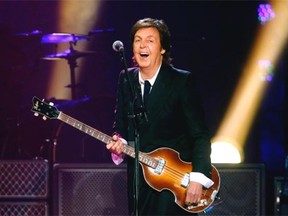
(118, 46)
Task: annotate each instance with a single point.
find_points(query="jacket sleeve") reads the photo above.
(197, 128)
(119, 115)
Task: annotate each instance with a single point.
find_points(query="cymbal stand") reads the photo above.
(72, 65)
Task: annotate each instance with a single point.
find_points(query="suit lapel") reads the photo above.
(160, 91)
(137, 88)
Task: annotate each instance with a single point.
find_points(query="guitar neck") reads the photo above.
(128, 150)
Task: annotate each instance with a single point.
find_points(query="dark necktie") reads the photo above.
(147, 87)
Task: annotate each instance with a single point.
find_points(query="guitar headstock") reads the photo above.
(45, 109)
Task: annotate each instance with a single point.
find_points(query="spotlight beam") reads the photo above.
(74, 17)
(270, 42)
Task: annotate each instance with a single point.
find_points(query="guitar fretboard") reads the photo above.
(128, 150)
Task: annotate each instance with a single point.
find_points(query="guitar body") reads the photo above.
(172, 175)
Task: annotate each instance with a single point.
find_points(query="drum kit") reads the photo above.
(71, 54)
(51, 130)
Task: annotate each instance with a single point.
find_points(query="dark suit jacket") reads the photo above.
(174, 112)
(175, 115)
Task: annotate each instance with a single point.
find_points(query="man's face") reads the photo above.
(147, 48)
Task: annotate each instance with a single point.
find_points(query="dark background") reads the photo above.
(212, 38)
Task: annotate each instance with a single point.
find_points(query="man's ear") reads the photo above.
(163, 51)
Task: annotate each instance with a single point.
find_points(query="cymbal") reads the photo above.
(62, 38)
(30, 34)
(68, 54)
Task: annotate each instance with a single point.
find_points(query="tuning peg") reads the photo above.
(44, 118)
(36, 114)
(51, 103)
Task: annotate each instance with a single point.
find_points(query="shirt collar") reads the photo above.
(152, 80)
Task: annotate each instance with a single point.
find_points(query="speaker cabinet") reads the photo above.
(23, 208)
(23, 179)
(242, 190)
(89, 189)
(24, 187)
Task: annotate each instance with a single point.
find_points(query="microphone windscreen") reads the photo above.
(117, 46)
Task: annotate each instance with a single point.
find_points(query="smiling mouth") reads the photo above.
(144, 54)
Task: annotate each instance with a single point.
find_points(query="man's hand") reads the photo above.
(193, 193)
(116, 145)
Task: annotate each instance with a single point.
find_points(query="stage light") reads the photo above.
(257, 74)
(265, 13)
(266, 72)
(225, 152)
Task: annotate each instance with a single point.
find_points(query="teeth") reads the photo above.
(144, 54)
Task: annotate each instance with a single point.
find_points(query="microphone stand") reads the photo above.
(284, 190)
(136, 135)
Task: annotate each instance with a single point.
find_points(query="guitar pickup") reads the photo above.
(185, 181)
(160, 166)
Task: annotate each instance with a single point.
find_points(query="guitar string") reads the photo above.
(179, 177)
(179, 174)
(68, 119)
(173, 173)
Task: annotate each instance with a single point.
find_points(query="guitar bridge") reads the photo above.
(203, 202)
(160, 166)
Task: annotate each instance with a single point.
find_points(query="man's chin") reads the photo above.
(143, 65)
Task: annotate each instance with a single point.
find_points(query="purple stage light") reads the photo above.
(265, 13)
